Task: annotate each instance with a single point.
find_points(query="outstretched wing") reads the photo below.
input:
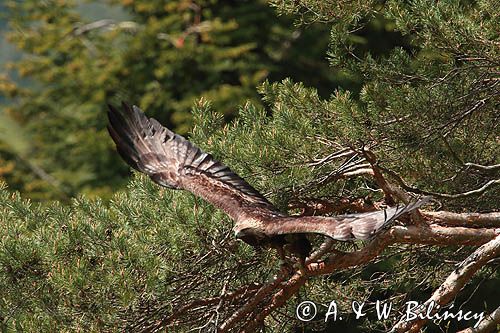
(342, 227)
(172, 161)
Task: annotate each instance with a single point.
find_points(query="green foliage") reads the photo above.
(278, 151)
(164, 57)
(426, 107)
(89, 266)
(92, 266)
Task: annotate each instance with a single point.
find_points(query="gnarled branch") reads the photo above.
(487, 325)
(471, 220)
(455, 282)
(421, 234)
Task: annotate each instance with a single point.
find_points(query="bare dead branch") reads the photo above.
(105, 24)
(484, 168)
(391, 192)
(290, 288)
(455, 282)
(346, 152)
(487, 325)
(484, 220)
(207, 301)
(413, 234)
(358, 172)
(350, 168)
(458, 119)
(442, 236)
(99, 24)
(415, 190)
(394, 120)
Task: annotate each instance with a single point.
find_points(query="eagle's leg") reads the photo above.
(301, 263)
(300, 247)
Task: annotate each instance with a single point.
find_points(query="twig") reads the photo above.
(390, 191)
(327, 159)
(485, 168)
(415, 190)
(289, 289)
(99, 24)
(207, 301)
(251, 305)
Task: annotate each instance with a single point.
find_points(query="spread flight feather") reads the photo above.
(172, 161)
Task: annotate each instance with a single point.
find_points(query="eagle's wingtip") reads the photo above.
(130, 109)
(111, 109)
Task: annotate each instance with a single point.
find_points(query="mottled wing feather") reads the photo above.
(172, 161)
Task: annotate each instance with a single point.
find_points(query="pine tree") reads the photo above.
(423, 123)
(166, 56)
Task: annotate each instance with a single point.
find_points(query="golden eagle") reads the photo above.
(172, 161)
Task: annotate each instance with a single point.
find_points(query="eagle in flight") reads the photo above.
(172, 161)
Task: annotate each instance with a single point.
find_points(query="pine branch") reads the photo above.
(288, 289)
(415, 190)
(483, 168)
(471, 220)
(430, 235)
(455, 282)
(251, 305)
(391, 192)
(244, 291)
(487, 325)
(414, 234)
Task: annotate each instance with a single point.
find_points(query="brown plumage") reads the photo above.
(172, 161)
